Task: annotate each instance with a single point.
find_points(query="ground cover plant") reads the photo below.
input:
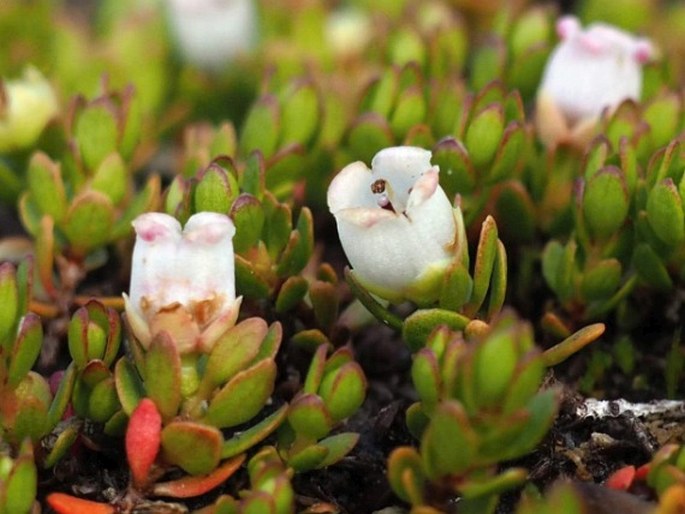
(267, 257)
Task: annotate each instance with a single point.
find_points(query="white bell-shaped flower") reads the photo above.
(590, 70)
(182, 281)
(211, 33)
(396, 224)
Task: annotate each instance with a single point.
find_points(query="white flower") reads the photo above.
(590, 70)
(182, 282)
(395, 223)
(26, 106)
(211, 33)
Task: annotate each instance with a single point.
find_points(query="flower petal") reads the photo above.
(351, 188)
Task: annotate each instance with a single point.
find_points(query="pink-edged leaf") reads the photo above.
(187, 487)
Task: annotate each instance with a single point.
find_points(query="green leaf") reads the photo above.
(449, 443)
(344, 390)
(665, 213)
(425, 375)
(498, 284)
(215, 190)
(456, 170)
(47, 187)
(244, 396)
(410, 110)
(542, 409)
(494, 364)
(163, 375)
(235, 350)
(103, 401)
(486, 254)
(338, 446)
(300, 113)
(419, 325)
(248, 281)
(60, 402)
(111, 178)
(324, 298)
(309, 416)
(194, 447)
(300, 246)
(308, 458)
(96, 134)
(650, 268)
(605, 202)
(129, 385)
(26, 349)
(457, 286)
(510, 153)
(21, 486)
(248, 217)
(484, 134)
(291, 293)
(261, 128)
(9, 299)
(242, 441)
(406, 475)
(602, 280)
(89, 221)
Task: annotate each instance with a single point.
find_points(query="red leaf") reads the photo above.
(642, 471)
(621, 479)
(190, 486)
(143, 437)
(65, 504)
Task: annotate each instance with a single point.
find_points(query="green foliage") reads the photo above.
(333, 390)
(479, 404)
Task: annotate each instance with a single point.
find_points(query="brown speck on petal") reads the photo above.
(378, 186)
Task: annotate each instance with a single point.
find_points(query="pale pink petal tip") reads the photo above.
(567, 26)
(208, 227)
(153, 226)
(644, 51)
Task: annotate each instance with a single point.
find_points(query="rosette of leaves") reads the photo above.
(629, 229)
(590, 273)
(480, 405)
(74, 208)
(333, 390)
(464, 294)
(283, 127)
(94, 338)
(270, 491)
(28, 409)
(18, 481)
(204, 402)
(483, 147)
(271, 247)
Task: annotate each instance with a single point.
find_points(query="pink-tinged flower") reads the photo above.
(182, 281)
(395, 223)
(211, 33)
(590, 70)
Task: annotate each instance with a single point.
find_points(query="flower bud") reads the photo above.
(211, 33)
(26, 107)
(182, 281)
(589, 71)
(395, 223)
